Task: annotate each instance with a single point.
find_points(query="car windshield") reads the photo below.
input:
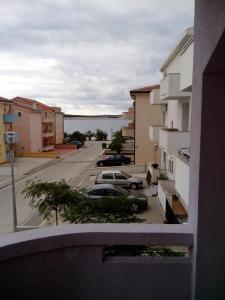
(121, 190)
(125, 174)
(110, 157)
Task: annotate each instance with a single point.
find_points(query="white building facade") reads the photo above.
(173, 137)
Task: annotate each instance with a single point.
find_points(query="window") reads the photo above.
(113, 193)
(120, 177)
(19, 114)
(107, 176)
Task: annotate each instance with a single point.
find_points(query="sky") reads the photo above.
(86, 55)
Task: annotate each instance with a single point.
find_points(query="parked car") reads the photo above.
(114, 160)
(100, 191)
(119, 178)
(77, 143)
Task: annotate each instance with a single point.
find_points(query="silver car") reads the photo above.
(119, 178)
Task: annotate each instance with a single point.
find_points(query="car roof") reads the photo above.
(110, 171)
(101, 186)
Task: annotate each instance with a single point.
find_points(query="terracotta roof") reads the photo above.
(146, 89)
(2, 99)
(31, 101)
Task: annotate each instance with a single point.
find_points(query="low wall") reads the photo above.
(65, 146)
(67, 262)
(40, 154)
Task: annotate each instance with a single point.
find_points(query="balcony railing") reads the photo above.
(10, 118)
(171, 139)
(128, 132)
(182, 175)
(47, 134)
(154, 133)
(170, 88)
(154, 97)
(48, 120)
(48, 148)
(75, 253)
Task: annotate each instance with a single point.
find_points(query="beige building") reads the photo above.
(145, 115)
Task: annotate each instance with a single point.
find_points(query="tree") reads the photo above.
(101, 135)
(89, 134)
(117, 135)
(116, 145)
(50, 197)
(78, 136)
(105, 210)
(117, 141)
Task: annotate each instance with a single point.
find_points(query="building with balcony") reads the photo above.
(40, 126)
(174, 97)
(7, 119)
(71, 261)
(145, 115)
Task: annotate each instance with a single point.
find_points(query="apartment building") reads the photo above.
(173, 138)
(144, 116)
(7, 119)
(40, 126)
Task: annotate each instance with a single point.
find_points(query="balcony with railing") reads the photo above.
(56, 258)
(182, 174)
(47, 134)
(10, 118)
(170, 139)
(155, 97)
(170, 88)
(48, 120)
(48, 148)
(129, 115)
(128, 131)
(154, 133)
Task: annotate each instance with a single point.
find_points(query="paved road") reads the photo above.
(71, 169)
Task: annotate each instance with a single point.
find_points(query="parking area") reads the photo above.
(153, 215)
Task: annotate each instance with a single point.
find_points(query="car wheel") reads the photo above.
(133, 186)
(100, 164)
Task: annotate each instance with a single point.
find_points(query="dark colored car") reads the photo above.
(99, 191)
(114, 160)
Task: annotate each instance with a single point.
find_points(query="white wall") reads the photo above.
(182, 180)
(186, 68)
(173, 114)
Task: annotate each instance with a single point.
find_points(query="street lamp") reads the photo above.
(11, 138)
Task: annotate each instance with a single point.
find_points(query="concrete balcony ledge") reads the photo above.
(170, 88)
(10, 118)
(170, 140)
(47, 134)
(62, 236)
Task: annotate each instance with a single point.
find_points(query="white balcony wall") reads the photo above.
(170, 88)
(170, 140)
(162, 197)
(154, 97)
(182, 180)
(154, 133)
(186, 68)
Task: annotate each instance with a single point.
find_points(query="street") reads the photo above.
(70, 169)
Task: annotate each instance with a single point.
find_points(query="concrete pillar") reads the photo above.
(207, 169)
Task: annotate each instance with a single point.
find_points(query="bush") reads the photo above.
(101, 135)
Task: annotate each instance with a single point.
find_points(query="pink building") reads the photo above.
(40, 126)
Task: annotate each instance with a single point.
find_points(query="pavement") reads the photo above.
(26, 166)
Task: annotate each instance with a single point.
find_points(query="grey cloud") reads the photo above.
(100, 49)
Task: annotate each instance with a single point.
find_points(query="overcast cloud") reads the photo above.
(85, 55)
